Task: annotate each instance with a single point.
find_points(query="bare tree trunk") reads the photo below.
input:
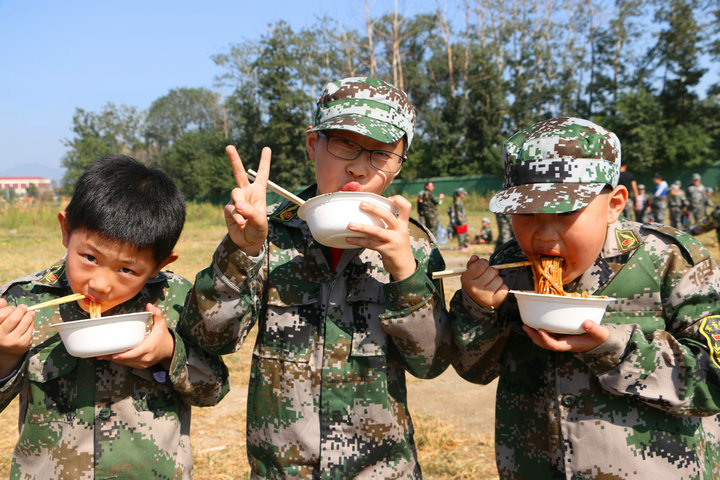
(396, 54)
(445, 32)
(370, 25)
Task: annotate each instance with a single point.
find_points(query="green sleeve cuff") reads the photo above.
(407, 294)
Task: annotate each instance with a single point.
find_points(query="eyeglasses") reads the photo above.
(348, 150)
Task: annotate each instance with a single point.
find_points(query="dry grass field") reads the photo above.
(454, 419)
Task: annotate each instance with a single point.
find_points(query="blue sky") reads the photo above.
(56, 56)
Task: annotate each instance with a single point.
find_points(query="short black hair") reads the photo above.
(124, 200)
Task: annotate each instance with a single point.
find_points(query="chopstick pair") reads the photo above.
(58, 301)
(460, 271)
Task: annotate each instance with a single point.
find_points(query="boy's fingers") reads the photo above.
(263, 171)
(238, 169)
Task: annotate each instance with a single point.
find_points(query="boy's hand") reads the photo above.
(158, 346)
(393, 242)
(483, 283)
(16, 330)
(594, 336)
(246, 215)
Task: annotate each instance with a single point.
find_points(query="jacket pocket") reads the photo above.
(52, 374)
(288, 330)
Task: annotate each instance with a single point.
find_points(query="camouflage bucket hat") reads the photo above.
(557, 166)
(368, 106)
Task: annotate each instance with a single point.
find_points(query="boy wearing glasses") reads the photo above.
(337, 329)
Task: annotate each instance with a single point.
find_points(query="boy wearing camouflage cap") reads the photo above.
(637, 395)
(121, 415)
(337, 329)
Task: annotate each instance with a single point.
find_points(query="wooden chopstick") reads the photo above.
(459, 271)
(278, 189)
(58, 301)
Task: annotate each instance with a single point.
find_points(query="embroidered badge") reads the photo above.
(53, 273)
(710, 328)
(626, 240)
(286, 213)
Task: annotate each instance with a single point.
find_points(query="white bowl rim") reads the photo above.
(569, 298)
(99, 321)
(343, 193)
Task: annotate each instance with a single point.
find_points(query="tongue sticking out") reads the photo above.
(350, 187)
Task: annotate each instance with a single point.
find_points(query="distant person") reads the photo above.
(677, 205)
(641, 205)
(124, 415)
(427, 206)
(460, 219)
(658, 200)
(697, 195)
(505, 232)
(627, 179)
(636, 396)
(485, 234)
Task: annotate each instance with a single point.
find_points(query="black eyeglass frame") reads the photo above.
(327, 137)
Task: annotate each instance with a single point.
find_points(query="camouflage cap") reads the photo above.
(460, 191)
(556, 166)
(695, 176)
(368, 106)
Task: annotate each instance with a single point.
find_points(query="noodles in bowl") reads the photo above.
(550, 307)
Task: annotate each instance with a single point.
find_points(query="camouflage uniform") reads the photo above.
(646, 400)
(677, 204)
(644, 403)
(505, 232)
(460, 218)
(698, 198)
(327, 396)
(428, 210)
(84, 418)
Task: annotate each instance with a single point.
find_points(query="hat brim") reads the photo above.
(534, 198)
(370, 127)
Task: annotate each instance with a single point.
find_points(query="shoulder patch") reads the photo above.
(52, 274)
(286, 213)
(710, 328)
(627, 240)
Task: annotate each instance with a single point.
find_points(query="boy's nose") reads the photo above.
(360, 165)
(100, 284)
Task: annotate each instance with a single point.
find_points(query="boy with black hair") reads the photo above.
(124, 415)
(337, 328)
(636, 396)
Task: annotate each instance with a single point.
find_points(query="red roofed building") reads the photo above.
(21, 184)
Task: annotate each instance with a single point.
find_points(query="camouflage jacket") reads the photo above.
(427, 205)
(697, 195)
(459, 215)
(327, 396)
(83, 418)
(644, 403)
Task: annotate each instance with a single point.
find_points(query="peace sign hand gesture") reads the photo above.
(245, 214)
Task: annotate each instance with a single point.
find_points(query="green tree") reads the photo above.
(113, 130)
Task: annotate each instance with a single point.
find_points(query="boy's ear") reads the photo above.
(311, 142)
(164, 263)
(64, 227)
(616, 203)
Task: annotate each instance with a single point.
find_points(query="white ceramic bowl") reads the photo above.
(102, 336)
(328, 216)
(559, 313)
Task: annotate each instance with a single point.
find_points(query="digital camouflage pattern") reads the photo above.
(645, 403)
(367, 106)
(557, 166)
(327, 396)
(677, 204)
(460, 217)
(83, 418)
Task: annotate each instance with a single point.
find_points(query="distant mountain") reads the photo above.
(34, 170)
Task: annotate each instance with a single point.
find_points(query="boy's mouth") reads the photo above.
(350, 187)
